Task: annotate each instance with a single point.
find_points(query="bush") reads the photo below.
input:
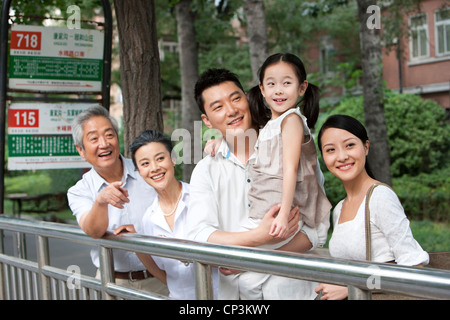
(425, 196)
(32, 183)
(432, 237)
(41, 181)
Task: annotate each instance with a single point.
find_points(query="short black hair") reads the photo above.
(147, 137)
(210, 78)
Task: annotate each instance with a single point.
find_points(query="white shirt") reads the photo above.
(180, 277)
(82, 196)
(219, 189)
(391, 235)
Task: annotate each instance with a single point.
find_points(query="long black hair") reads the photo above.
(350, 124)
(309, 104)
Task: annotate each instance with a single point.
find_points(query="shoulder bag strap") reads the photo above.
(367, 220)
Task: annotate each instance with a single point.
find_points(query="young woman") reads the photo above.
(344, 145)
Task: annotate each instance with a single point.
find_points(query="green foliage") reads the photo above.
(425, 196)
(418, 135)
(170, 76)
(320, 7)
(31, 183)
(41, 181)
(218, 45)
(288, 30)
(27, 11)
(219, 56)
(433, 237)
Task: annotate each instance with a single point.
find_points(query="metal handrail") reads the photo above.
(411, 281)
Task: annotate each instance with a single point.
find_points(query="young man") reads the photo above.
(111, 194)
(219, 188)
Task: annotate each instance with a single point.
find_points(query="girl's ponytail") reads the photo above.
(310, 104)
(260, 112)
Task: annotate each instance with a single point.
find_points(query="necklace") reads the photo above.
(175, 208)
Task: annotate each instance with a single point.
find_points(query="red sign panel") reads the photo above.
(23, 118)
(25, 40)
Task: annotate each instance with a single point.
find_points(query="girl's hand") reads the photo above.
(279, 228)
(331, 292)
(212, 146)
(265, 225)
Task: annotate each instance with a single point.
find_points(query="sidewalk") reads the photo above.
(62, 253)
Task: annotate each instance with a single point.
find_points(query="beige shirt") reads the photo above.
(266, 174)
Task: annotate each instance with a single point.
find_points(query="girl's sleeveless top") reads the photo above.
(266, 174)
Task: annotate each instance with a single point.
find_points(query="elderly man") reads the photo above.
(111, 194)
(219, 188)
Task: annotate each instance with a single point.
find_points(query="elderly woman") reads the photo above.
(167, 216)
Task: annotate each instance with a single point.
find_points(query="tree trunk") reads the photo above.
(189, 74)
(139, 68)
(257, 34)
(379, 157)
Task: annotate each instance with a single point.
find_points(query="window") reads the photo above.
(419, 36)
(442, 25)
(326, 58)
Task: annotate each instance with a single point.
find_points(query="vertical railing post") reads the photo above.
(20, 246)
(2, 280)
(355, 293)
(106, 270)
(20, 251)
(43, 258)
(203, 281)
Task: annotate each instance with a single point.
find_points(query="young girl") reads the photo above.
(344, 145)
(285, 167)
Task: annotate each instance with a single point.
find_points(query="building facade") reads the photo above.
(424, 65)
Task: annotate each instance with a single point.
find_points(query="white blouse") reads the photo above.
(392, 238)
(180, 276)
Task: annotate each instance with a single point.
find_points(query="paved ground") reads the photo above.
(62, 253)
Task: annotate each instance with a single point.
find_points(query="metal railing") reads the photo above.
(23, 279)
